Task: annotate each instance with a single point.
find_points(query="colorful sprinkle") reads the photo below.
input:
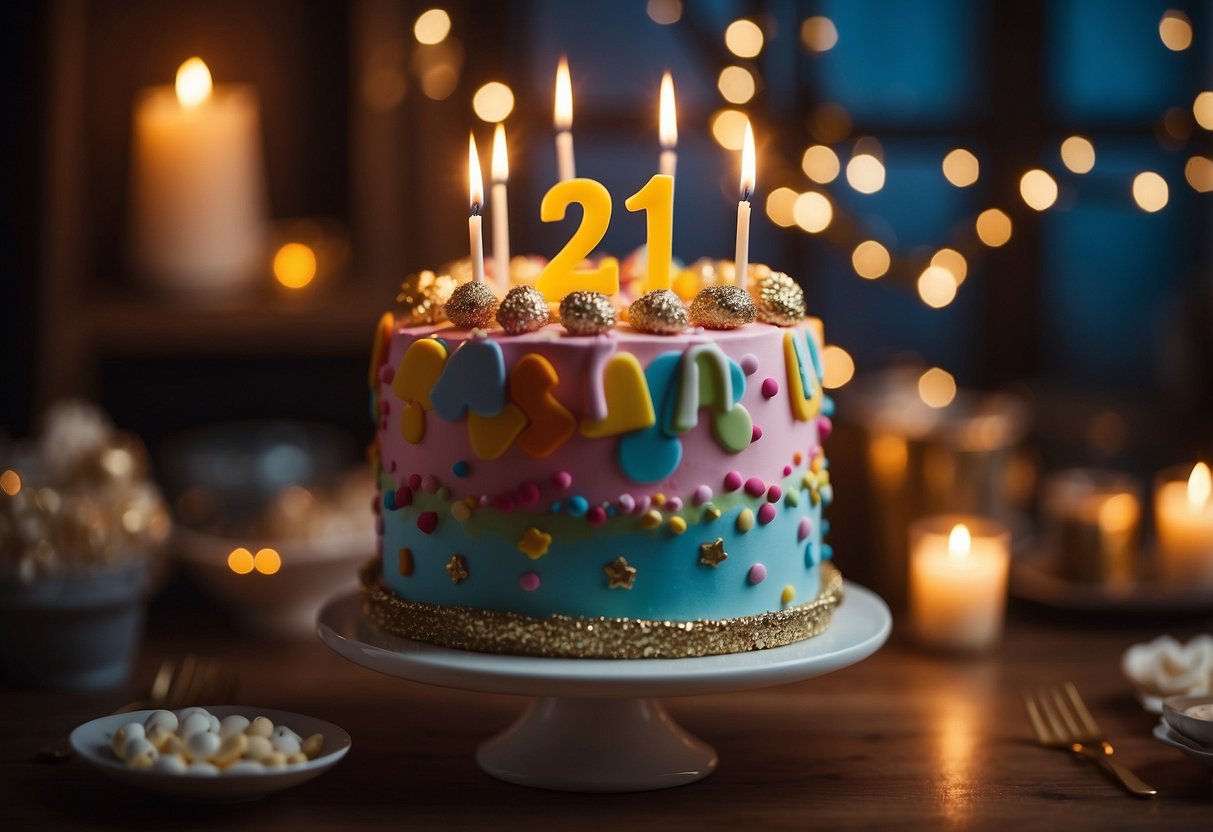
(391, 466)
(770, 388)
(677, 524)
(505, 503)
(484, 500)
(749, 363)
(659, 499)
(596, 516)
(427, 521)
(461, 511)
(827, 551)
(386, 374)
(788, 595)
(702, 494)
(389, 500)
(627, 503)
(404, 562)
(757, 574)
(528, 581)
(804, 529)
(429, 483)
(824, 427)
(562, 480)
(534, 543)
(745, 520)
(797, 458)
(415, 481)
(732, 481)
(651, 519)
(766, 513)
(673, 504)
(755, 487)
(578, 505)
(755, 434)
(443, 493)
(528, 494)
(787, 470)
(556, 507)
(457, 568)
(385, 407)
(460, 468)
(774, 493)
(711, 514)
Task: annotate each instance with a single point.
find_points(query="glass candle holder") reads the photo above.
(1093, 519)
(1183, 517)
(958, 582)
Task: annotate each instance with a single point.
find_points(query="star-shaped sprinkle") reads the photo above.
(404, 561)
(534, 543)
(457, 568)
(620, 575)
(712, 554)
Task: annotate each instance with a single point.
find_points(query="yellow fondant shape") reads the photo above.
(412, 422)
(534, 543)
(549, 423)
(629, 406)
(419, 371)
(804, 406)
(491, 436)
(383, 335)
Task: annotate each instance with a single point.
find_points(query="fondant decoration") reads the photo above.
(732, 481)
(587, 313)
(659, 312)
(766, 513)
(722, 307)
(651, 519)
(596, 516)
(792, 497)
(620, 574)
(702, 495)
(528, 494)
(419, 371)
(403, 497)
(755, 434)
(774, 493)
(578, 505)
(825, 427)
(423, 296)
(404, 561)
(461, 511)
(677, 524)
(757, 574)
(457, 568)
(707, 378)
(460, 468)
(534, 543)
(528, 581)
(712, 554)
(627, 503)
(803, 384)
(562, 480)
(389, 499)
(711, 513)
(651, 455)
(629, 405)
(522, 309)
(491, 436)
(745, 520)
(778, 299)
(549, 423)
(505, 503)
(803, 528)
(673, 504)
(379, 348)
(788, 595)
(658, 499)
(770, 388)
(600, 350)
(471, 305)
(749, 363)
(427, 521)
(755, 487)
(473, 379)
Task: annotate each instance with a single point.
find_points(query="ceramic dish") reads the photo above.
(1168, 736)
(92, 742)
(1193, 728)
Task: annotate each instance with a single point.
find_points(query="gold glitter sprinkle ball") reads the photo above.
(422, 297)
(587, 313)
(659, 312)
(723, 307)
(471, 305)
(778, 299)
(523, 309)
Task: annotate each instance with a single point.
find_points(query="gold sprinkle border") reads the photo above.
(566, 636)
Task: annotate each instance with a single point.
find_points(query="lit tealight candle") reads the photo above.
(742, 259)
(1183, 513)
(667, 126)
(563, 121)
(501, 219)
(958, 582)
(476, 197)
(1094, 518)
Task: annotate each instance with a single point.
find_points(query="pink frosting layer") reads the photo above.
(593, 463)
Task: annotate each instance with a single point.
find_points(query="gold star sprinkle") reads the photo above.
(457, 568)
(712, 554)
(404, 561)
(619, 574)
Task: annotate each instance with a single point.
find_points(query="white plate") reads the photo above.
(92, 742)
(1167, 735)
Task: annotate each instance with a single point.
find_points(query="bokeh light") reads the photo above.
(819, 34)
(937, 287)
(865, 173)
(736, 84)
(1202, 109)
(830, 122)
(993, 227)
(953, 261)
(728, 128)
(743, 38)
(493, 102)
(1038, 189)
(432, 26)
(1199, 173)
(10, 482)
(838, 367)
(294, 265)
(961, 168)
(240, 561)
(870, 259)
(664, 12)
(439, 80)
(812, 211)
(1078, 154)
(267, 561)
(780, 207)
(820, 164)
(1150, 191)
(936, 387)
(1175, 30)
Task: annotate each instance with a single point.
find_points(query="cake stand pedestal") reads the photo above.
(597, 726)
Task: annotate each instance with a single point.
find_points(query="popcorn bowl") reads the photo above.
(74, 631)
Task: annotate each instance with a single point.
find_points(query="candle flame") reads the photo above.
(748, 174)
(501, 160)
(1200, 486)
(563, 118)
(667, 128)
(193, 83)
(475, 182)
(960, 542)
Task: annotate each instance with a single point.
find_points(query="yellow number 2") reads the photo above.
(561, 275)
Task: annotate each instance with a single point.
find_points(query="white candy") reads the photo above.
(184, 712)
(214, 720)
(275, 759)
(202, 745)
(201, 768)
(164, 719)
(234, 724)
(285, 741)
(262, 727)
(160, 736)
(139, 753)
(128, 732)
(194, 723)
(313, 745)
(231, 750)
(258, 747)
(169, 764)
(245, 767)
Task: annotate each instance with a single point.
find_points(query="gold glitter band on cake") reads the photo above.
(565, 636)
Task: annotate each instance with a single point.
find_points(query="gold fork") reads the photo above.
(1061, 720)
(191, 681)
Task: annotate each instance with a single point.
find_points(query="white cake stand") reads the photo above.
(596, 726)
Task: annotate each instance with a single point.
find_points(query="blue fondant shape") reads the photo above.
(473, 379)
(650, 455)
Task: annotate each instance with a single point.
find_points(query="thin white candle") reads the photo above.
(667, 126)
(501, 214)
(748, 176)
(563, 121)
(476, 197)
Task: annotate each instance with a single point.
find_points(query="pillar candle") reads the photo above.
(1183, 514)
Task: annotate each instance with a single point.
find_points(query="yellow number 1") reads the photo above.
(656, 199)
(561, 275)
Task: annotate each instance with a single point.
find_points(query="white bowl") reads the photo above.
(92, 742)
(286, 603)
(1193, 728)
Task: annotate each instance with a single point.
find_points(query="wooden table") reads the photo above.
(903, 739)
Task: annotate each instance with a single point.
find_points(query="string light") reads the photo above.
(937, 287)
(870, 259)
(1175, 30)
(1199, 173)
(1038, 189)
(865, 173)
(743, 38)
(993, 227)
(1078, 154)
(432, 26)
(819, 34)
(961, 168)
(1202, 109)
(664, 12)
(1150, 191)
(812, 212)
(820, 164)
(493, 102)
(838, 367)
(936, 387)
(780, 206)
(736, 84)
(728, 128)
(953, 261)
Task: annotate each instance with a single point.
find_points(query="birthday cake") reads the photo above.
(599, 480)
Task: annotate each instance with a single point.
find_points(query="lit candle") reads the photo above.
(742, 258)
(1094, 518)
(563, 121)
(198, 190)
(667, 126)
(958, 582)
(1183, 513)
(476, 197)
(501, 216)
